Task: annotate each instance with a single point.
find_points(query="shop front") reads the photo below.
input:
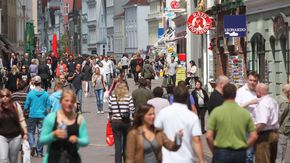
(268, 47)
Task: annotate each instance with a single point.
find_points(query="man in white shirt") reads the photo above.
(172, 71)
(177, 117)
(267, 125)
(107, 71)
(246, 95)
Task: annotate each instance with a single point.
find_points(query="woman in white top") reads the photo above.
(191, 72)
(125, 63)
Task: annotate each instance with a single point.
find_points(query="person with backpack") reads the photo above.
(44, 73)
(136, 67)
(148, 73)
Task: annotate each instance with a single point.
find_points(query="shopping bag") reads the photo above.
(106, 96)
(109, 135)
(25, 151)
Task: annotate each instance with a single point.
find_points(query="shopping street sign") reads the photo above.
(199, 23)
(235, 26)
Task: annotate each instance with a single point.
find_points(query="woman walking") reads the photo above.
(64, 132)
(12, 128)
(99, 87)
(146, 141)
(201, 99)
(13, 79)
(88, 72)
(121, 108)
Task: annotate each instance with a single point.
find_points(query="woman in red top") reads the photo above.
(61, 69)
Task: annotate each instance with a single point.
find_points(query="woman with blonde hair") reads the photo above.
(121, 108)
(12, 128)
(12, 79)
(64, 132)
(99, 88)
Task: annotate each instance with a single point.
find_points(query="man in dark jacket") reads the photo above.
(44, 73)
(88, 72)
(71, 64)
(76, 77)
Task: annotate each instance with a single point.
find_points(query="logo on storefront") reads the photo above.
(174, 4)
(235, 26)
(199, 23)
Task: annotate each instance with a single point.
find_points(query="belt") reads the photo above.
(268, 131)
(230, 149)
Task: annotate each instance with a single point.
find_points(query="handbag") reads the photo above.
(109, 134)
(25, 152)
(125, 116)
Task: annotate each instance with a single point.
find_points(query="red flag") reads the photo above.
(54, 45)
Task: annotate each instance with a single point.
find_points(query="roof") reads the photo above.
(137, 2)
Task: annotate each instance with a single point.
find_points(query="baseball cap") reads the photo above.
(36, 79)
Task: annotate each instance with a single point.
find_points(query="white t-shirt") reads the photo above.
(158, 103)
(267, 112)
(124, 61)
(172, 119)
(244, 95)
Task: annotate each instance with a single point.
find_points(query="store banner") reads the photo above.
(235, 26)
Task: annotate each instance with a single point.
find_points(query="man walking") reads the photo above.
(284, 121)
(108, 72)
(76, 79)
(246, 98)
(266, 125)
(216, 98)
(228, 126)
(177, 117)
(141, 95)
(172, 71)
(38, 104)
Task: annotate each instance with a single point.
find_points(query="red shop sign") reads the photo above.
(174, 4)
(199, 23)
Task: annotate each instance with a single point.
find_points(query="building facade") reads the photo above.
(155, 22)
(268, 41)
(119, 35)
(110, 25)
(136, 26)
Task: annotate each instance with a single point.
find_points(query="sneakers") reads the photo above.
(86, 94)
(102, 112)
(98, 112)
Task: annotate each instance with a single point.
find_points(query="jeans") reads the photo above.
(266, 147)
(79, 93)
(108, 80)
(171, 79)
(99, 97)
(32, 124)
(10, 148)
(282, 148)
(136, 76)
(44, 84)
(120, 132)
(88, 87)
(229, 156)
(201, 114)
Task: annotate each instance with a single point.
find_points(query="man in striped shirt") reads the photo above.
(20, 95)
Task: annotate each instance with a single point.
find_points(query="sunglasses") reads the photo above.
(5, 96)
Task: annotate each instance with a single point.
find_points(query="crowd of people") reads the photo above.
(244, 124)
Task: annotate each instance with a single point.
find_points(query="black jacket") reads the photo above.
(43, 71)
(88, 72)
(195, 96)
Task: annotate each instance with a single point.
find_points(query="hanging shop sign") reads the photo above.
(199, 23)
(174, 4)
(235, 26)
